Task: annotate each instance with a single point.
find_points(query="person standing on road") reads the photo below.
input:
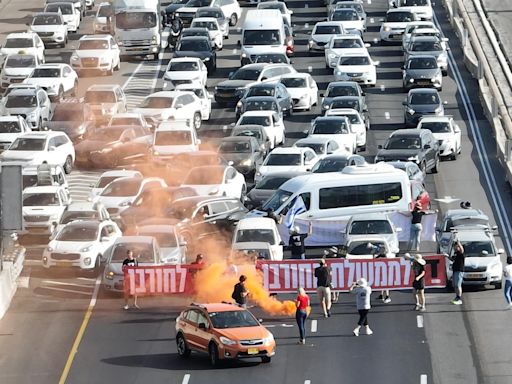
(297, 242)
(301, 314)
(240, 292)
(323, 284)
(507, 273)
(418, 284)
(130, 261)
(415, 234)
(379, 252)
(363, 292)
(458, 272)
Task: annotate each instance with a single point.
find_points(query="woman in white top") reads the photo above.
(507, 272)
(363, 292)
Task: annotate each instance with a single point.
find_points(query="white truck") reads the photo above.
(139, 29)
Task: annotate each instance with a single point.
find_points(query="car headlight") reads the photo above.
(246, 163)
(332, 56)
(156, 153)
(214, 191)
(311, 42)
(239, 104)
(258, 173)
(386, 29)
(411, 80)
(49, 249)
(74, 58)
(496, 266)
(339, 73)
(87, 248)
(32, 115)
(226, 341)
(244, 55)
(109, 275)
(268, 340)
(304, 96)
(413, 158)
(410, 111)
(153, 39)
(87, 261)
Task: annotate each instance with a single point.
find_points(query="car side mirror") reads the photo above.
(281, 242)
(321, 95)
(104, 239)
(264, 78)
(52, 148)
(238, 43)
(404, 102)
(457, 129)
(501, 251)
(202, 326)
(379, 146)
(178, 106)
(427, 146)
(445, 102)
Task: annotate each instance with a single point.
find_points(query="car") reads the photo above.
(50, 27)
(413, 171)
(322, 32)
(32, 104)
(428, 45)
(44, 174)
(270, 121)
(367, 247)
(422, 102)
(266, 187)
(355, 5)
(19, 86)
(107, 177)
(411, 27)
(356, 67)
(271, 58)
(175, 137)
(56, 79)
(201, 32)
(336, 163)
(416, 145)
(431, 32)
(230, 8)
(100, 24)
(96, 53)
(81, 211)
(447, 133)
(132, 119)
(215, 33)
(69, 13)
(217, 14)
(273, 89)
(422, 71)
(259, 103)
(105, 100)
(289, 159)
(224, 332)
(145, 250)
(260, 229)
(172, 7)
(342, 88)
(173, 105)
(259, 250)
(337, 128)
(322, 146)
(43, 207)
(200, 47)
(280, 6)
(352, 21)
(11, 127)
(393, 26)
(244, 152)
(28, 42)
(422, 8)
(73, 118)
(256, 131)
(185, 71)
(36, 148)
(302, 89)
(343, 45)
(202, 94)
(359, 227)
(16, 68)
(173, 250)
(233, 89)
(357, 122)
(78, 4)
(216, 180)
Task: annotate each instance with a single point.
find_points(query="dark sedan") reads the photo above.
(258, 103)
(173, 7)
(351, 102)
(276, 90)
(198, 46)
(422, 71)
(336, 163)
(341, 88)
(243, 151)
(75, 119)
(256, 131)
(422, 102)
(266, 188)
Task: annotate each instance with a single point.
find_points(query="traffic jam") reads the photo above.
(236, 174)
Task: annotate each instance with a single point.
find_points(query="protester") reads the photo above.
(297, 242)
(240, 292)
(507, 273)
(363, 292)
(130, 261)
(458, 272)
(303, 306)
(199, 259)
(415, 234)
(323, 283)
(379, 252)
(418, 284)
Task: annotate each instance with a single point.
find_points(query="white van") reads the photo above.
(259, 229)
(263, 32)
(174, 137)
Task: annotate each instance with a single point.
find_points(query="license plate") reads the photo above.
(423, 82)
(252, 351)
(61, 264)
(475, 275)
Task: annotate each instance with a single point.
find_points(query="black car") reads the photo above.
(258, 103)
(243, 151)
(336, 163)
(187, 12)
(422, 71)
(416, 145)
(266, 188)
(75, 119)
(212, 135)
(341, 88)
(271, 58)
(422, 102)
(276, 90)
(256, 131)
(196, 31)
(198, 46)
(173, 7)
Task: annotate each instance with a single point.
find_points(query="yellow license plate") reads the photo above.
(253, 351)
(62, 264)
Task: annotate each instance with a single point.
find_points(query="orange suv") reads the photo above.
(224, 331)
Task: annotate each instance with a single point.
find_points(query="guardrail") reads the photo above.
(491, 95)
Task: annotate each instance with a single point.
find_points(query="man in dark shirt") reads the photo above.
(240, 292)
(296, 242)
(130, 261)
(458, 271)
(323, 284)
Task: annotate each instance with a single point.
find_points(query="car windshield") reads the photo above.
(370, 227)
(347, 43)
(121, 188)
(361, 248)
(28, 144)
(173, 138)
(413, 3)
(65, 9)
(284, 159)
(342, 90)
(277, 199)
(330, 127)
(399, 17)
(345, 15)
(294, 82)
(194, 32)
(475, 248)
(69, 216)
(47, 20)
(143, 252)
(233, 319)
(210, 25)
(424, 98)
(135, 20)
(25, 61)
(261, 105)
(357, 7)
(260, 91)
(403, 143)
(157, 102)
(76, 233)
(271, 182)
(255, 120)
(423, 63)
(14, 101)
(93, 44)
(9, 127)
(19, 43)
(198, 45)
(354, 60)
(165, 239)
(345, 103)
(99, 97)
(271, 58)
(426, 46)
(437, 126)
(178, 66)
(67, 113)
(106, 135)
(40, 199)
(210, 13)
(261, 37)
(327, 30)
(235, 147)
(46, 72)
(246, 74)
(255, 234)
(329, 165)
(105, 11)
(205, 176)
(272, 5)
(256, 134)
(198, 3)
(318, 148)
(105, 180)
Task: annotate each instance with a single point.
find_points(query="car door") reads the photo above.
(53, 153)
(206, 103)
(282, 97)
(256, 152)
(278, 127)
(332, 147)
(430, 152)
(231, 185)
(189, 326)
(218, 217)
(313, 89)
(112, 232)
(310, 158)
(202, 332)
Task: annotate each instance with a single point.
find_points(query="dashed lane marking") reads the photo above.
(46, 287)
(386, 115)
(314, 326)
(419, 321)
(62, 283)
(423, 379)
(186, 378)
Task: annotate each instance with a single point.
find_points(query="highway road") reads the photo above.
(44, 338)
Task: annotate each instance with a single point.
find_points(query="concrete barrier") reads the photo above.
(8, 278)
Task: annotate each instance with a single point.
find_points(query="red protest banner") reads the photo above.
(393, 273)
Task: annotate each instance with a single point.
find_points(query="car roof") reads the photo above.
(251, 244)
(212, 19)
(256, 223)
(422, 57)
(262, 98)
(52, 65)
(301, 75)
(121, 173)
(423, 90)
(19, 35)
(314, 140)
(169, 94)
(23, 92)
(408, 132)
(176, 125)
(436, 118)
(185, 59)
(186, 38)
(42, 189)
(217, 307)
(424, 38)
(95, 37)
(331, 117)
(41, 135)
(461, 212)
(291, 174)
(473, 234)
(370, 216)
(291, 150)
(259, 113)
(237, 138)
(83, 206)
(83, 223)
(10, 118)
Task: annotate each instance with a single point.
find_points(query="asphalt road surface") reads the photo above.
(44, 338)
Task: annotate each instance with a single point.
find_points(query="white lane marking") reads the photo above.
(234, 51)
(132, 75)
(314, 325)
(86, 278)
(386, 115)
(419, 321)
(423, 379)
(67, 284)
(66, 290)
(376, 41)
(369, 1)
(95, 293)
(278, 325)
(32, 263)
(306, 5)
(307, 381)
(382, 87)
(186, 378)
(372, 20)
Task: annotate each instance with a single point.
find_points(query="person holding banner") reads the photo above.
(416, 227)
(302, 312)
(130, 261)
(297, 241)
(363, 292)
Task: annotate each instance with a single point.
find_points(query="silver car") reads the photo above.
(32, 104)
(364, 226)
(431, 46)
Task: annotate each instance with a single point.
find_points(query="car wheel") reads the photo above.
(454, 155)
(436, 166)
(266, 359)
(68, 165)
(181, 345)
(40, 125)
(213, 353)
(233, 20)
(197, 121)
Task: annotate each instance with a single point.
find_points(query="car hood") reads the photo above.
(68, 246)
(476, 262)
(236, 84)
(14, 51)
(18, 71)
(296, 93)
(425, 107)
(47, 28)
(354, 68)
(267, 169)
(259, 196)
(114, 201)
(245, 333)
(89, 145)
(187, 10)
(174, 149)
(95, 53)
(20, 111)
(205, 190)
(344, 51)
(321, 38)
(442, 136)
(44, 210)
(395, 24)
(398, 153)
(181, 75)
(20, 155)
(71, 128)
(45, 82)
(391, 239)
(428, 53)
(422, 73)
(237, 157)
(198, 54)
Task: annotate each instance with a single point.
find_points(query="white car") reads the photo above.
(98, 53)
(322, 32)
(231, 9)
(393, 27)
(81, 244)
(323, 146)
(185, 71)
(367, 248)
(43, 207)
(356, 122)
(351, 20)
(109, 176)
(212, 25)
(173, 250)
(35, 148)
(69, 13)
(173, 105)
(216, 180)
(279, 5)
(337, 128)
(174, 137)
(289, 159)
(51, 28)
(57, 79)
(422, 8)
(28, 42)
(84, 210)
(302, 89)
(269, 120)
(100, 24)
(105, 100)
(359, 227)
(411, 27)
(16, 68)
(202, 94)
(431, 32)
(343, 45)
(11, 127)
(32, 103)
(357, 67)
(446, 132)
(136, 119)
(261, 230)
